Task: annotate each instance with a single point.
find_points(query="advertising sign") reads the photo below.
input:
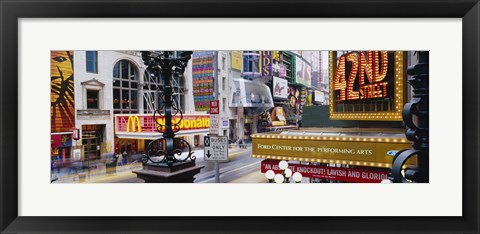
(330, 173)
(319, 96)
(62, 105)
(370, 79)
(225, 122)
(237, 60)
(303, 72)
(266, 63)
(282, 71)
(126, 123)
(215, 148)
(202, 79)
(280, 88)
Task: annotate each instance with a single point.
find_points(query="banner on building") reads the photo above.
(330, 173)
(266, 63)
(303, 72)
(237, 60)
(280, 88)
(62, 108)
(203, 79)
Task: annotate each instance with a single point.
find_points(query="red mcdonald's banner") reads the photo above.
(146, 123)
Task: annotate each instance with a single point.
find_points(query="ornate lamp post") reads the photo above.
(162, 163)
(415, 115)
(284, 176)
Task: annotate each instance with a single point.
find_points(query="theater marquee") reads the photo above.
(350, 149)
(367, 85)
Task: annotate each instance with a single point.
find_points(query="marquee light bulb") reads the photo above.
(297, 177)
(288, 173)
(270, 174)
(279, 178)
(283, 165)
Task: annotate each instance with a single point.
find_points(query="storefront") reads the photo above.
(93, 142)
(133, 132)
(61, 150)
(251, 99)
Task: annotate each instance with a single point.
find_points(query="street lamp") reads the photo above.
(288, 174)
(297, 177)
(284, 176)
(270, 174)
(166, 66)
(279, 178)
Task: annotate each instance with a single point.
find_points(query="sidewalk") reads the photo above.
(99, 173)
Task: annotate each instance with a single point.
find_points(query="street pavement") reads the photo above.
(240, 168)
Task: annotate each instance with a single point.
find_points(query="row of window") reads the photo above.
(125, 87)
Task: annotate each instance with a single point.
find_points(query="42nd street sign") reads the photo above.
(215, 148)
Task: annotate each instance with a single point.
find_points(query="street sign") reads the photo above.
(225, 123)
(214, 117)
(215, 148)
(214, 124)
(214, 107)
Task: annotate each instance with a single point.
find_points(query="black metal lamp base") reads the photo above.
(182, 172)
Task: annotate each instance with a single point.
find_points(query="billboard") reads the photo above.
(203, 79)
(303, 72)
(280, 88)
(237, 60)
(62, 109)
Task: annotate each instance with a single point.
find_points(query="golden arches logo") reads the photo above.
(132, 121)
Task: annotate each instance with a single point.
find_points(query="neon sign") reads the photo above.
(367, 85)
(366, 76)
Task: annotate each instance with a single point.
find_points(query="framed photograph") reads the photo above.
(38, 37)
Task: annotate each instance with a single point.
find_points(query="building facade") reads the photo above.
(110, 106)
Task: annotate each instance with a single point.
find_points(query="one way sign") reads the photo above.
(216, 148)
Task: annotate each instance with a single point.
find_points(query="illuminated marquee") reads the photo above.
(367, 85)
(147, 124)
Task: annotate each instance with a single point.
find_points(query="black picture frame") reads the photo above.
(12, 10)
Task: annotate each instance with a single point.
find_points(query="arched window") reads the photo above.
(125, 88)
(152, 100)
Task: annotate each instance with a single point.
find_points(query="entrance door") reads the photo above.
(92, 137)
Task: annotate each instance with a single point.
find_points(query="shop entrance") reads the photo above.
(92, 137)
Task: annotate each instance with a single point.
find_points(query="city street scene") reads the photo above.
(239, 117)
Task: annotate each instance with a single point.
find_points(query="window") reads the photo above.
(224, 81)
(152, 99)
(223, 63)
(224, 104)
(92, 63)
(125, 88)
(92, 99)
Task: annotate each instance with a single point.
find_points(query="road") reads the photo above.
(241, 168)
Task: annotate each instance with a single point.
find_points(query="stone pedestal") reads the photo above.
(160, 173)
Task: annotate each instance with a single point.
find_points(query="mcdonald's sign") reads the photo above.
(134, 121)
(146, 123)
